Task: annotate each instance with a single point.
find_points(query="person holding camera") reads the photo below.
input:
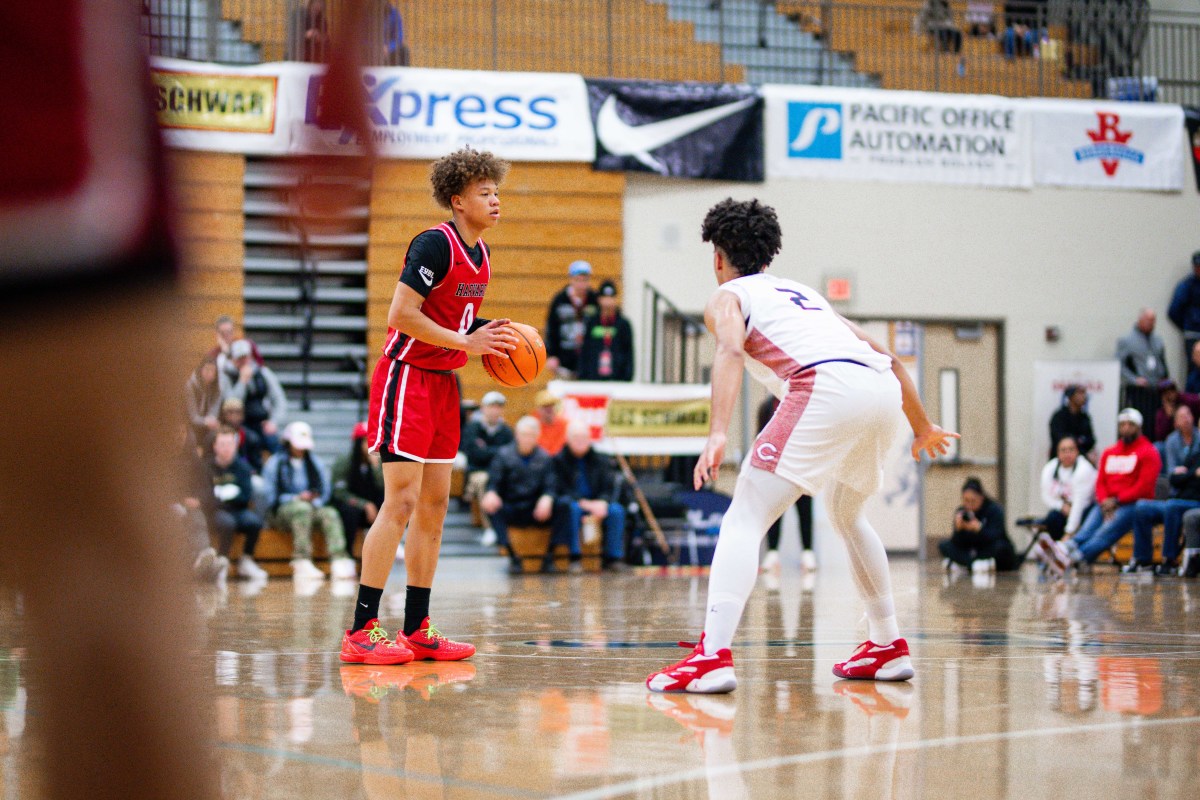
(980, 541)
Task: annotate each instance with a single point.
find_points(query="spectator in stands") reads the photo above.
(554, 425)
(482, 438)
(298, 489)
(1143, 365)
(1024, 24)
(262, 396)
(1190, 567)
(981, 18)
(226, 328)
(564, 322)
(250, 447)
(395, 50)
(358, 484)
(191, 510)
(1068, 489)
(521, 485)
(231, 486)
(1193, 379)
(607, 353)
(1128, 473)
(1170, 401)
(203, 398)
(808, 559)
(936, 19)
(1072, 419)
(979, 541)
(1183, 472)
(310, 25)
(1184, 313)
(586, 491)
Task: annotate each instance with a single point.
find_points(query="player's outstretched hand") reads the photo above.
(710, 460)
(934, 441)
(492, 339)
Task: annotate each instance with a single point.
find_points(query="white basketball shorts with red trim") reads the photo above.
(836, 424)
(414, 413)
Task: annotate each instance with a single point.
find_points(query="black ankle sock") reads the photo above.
(367, 607)
(416, 608)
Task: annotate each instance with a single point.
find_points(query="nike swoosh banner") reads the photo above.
(686, 130)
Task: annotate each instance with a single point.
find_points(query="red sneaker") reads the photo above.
(696, 673)
(371, 645)
(427, 643)
(877, 662)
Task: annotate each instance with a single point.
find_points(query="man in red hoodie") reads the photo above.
(1128, 472)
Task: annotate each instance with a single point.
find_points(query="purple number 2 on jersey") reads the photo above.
(799, 299)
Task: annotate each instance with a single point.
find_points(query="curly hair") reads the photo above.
(747, 232)
(452, 174)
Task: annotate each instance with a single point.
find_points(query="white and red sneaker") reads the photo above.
(877, 662)
(696, 673)
(1052, 554)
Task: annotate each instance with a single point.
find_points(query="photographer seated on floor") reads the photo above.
(979, 542)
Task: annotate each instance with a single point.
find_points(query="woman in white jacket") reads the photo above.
(1068, 489)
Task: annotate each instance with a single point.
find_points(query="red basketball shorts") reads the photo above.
(414, 413)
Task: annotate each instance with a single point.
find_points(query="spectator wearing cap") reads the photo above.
(607, 353)
(226, 330)
(1128, 472)
(234, 492)
(297, 490)
(1170, 400)
(1184, 311)
(548, 410)
(1072, 419)
(1143, 365)
(521, 485)
(358, 484)
(262, 396)
(564, 322)
(482, 438)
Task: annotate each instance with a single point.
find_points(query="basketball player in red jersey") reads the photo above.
(414, 415)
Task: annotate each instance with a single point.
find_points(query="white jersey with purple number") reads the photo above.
(790, 327)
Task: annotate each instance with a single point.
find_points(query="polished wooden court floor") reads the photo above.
(1024, 688)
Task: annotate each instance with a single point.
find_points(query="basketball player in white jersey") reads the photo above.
(842, 395)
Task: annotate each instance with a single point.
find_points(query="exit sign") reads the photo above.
(837, 290)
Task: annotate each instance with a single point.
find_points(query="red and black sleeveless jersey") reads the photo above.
(440, 267)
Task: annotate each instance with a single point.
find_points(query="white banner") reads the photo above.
(875, 135)
(589, 402)
(414, 113)
(1108, 145)
(1050, 379)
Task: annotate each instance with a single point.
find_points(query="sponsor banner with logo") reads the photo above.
(686, 130)
(1108, 145)
(1191, 117)
(210, 107)
(426, 113)
(875, 135)
(414, 113)
(639, 418)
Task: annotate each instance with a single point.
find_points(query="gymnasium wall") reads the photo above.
(550, 215)
(1082, 260)
(208, 196)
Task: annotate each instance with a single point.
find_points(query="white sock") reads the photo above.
(758, 500)
(868, 563)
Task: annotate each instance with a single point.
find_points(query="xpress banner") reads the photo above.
(1108, 145)
(873, 135)
(686, 130)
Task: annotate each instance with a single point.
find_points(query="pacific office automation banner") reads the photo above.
(639, 418)
(1108, 145)
(1191, 118)
(209, 107)
(874, 135)
(426, 113)
(272, 109)
(687, 130)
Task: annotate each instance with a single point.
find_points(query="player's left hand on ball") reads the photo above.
(492, 339)
(709, 463)
(934, 441)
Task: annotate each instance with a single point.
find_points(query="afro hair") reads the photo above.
(747, 232)
(452, 174)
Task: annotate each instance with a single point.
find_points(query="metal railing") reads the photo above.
(1080, 48)
(672, 346)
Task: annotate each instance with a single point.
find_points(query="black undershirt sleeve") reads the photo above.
(427, 262)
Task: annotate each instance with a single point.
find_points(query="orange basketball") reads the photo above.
(522, 364)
